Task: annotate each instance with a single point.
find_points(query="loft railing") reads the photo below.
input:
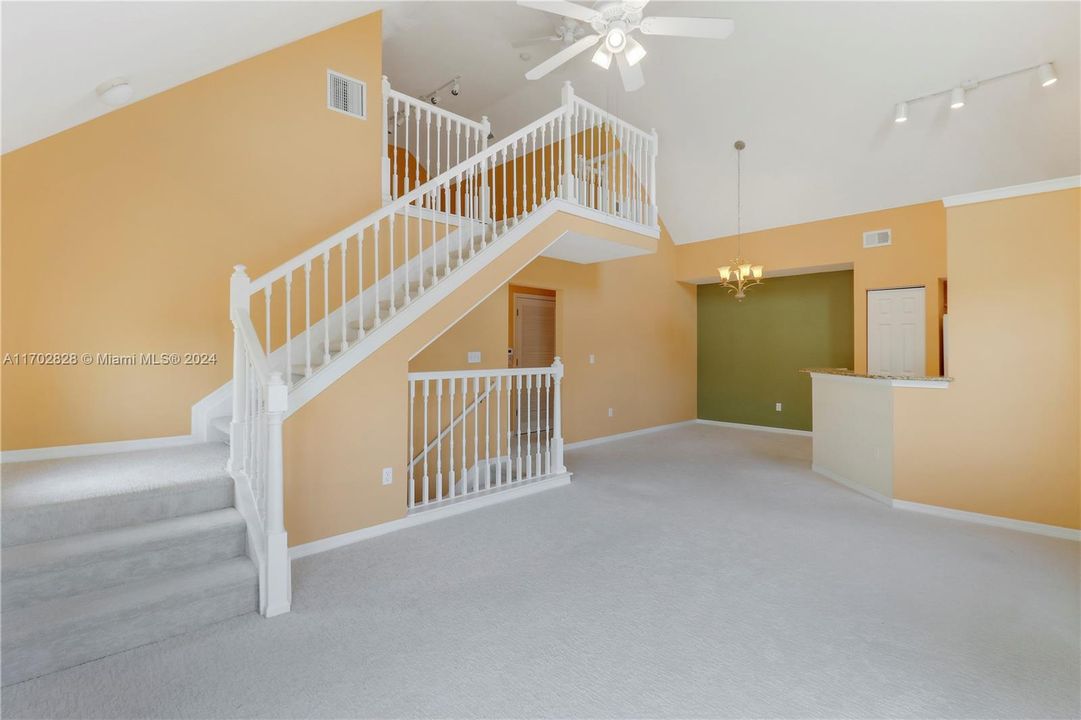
(418, 132)
(480, 431)
(295, 320)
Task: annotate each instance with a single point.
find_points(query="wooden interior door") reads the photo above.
(534, 346)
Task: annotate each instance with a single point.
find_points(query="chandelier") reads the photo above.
(740, 274)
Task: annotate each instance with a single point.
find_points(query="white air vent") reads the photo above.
(346, 95)
(876, 238)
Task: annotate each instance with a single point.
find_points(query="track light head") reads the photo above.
(1047, 74)
(456, 88)
(957, 98)
(900, 112)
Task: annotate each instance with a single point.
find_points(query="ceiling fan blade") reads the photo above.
(534, 41)
(562, 56)
(716, 28)
(632, 76)
(562, 7)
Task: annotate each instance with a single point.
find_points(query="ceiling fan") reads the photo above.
(613, 22)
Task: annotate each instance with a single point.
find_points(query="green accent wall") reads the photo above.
(750, 353)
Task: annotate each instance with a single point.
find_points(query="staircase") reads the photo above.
(303, 325)
(106, 553)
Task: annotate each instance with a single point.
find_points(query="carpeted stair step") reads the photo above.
(68, 631)
(38, 572)
(61, 519)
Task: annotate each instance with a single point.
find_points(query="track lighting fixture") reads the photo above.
(454, 85)
(1047, 75)
(957, 95)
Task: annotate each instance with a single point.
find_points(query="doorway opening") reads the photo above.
(532, 344)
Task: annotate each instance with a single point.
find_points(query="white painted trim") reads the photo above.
(427, 515)
(622, 436)
(940, 384)
(763, 428)
(1063, 183)
(102, 448)
(851, 485)
(1055, 531)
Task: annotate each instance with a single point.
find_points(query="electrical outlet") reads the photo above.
(778, 407)
(388, 476)
(611, 412)
(592, 359)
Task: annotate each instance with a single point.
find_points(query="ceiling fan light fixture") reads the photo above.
(602, 57)
(616, 39)
(634, 52)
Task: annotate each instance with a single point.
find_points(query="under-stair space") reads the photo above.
(106, 553)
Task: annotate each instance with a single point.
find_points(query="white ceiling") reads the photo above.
(809, 86)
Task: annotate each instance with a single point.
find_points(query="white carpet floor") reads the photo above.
(694, 572)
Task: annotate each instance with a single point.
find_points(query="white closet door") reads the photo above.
(895, 331)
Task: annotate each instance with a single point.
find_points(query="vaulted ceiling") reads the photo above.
(809, 86)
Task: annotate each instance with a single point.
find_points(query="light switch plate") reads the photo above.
(611, 412)
(778, 407)
(474, 357)
(592, 359)
(388, 476)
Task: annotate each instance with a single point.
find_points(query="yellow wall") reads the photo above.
(639, 324)
(119, 235)
(916, 257)
(1005, 438)
(336, 446)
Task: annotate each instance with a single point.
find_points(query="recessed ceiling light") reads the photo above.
(115, 92)
(957, 98)
(1047, 74)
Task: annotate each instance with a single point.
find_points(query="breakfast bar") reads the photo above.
(853, 421)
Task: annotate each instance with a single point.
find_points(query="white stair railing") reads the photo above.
(295, 320)
(260, 399)
(482, 431)
(423, 139)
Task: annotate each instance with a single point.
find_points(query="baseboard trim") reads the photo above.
(622, 436)
(856, 487)
(428, 515)
(1055, 531)
(102, 448)
(763, 428)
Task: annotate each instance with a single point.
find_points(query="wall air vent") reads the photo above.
(877, 238)
(346, 95)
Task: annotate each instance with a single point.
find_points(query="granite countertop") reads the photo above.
(875, 376)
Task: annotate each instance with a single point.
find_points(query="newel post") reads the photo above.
(485, 201)
(568, 115)
(557, 417)
(385, 164)
(239, 302)
(279, 593)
